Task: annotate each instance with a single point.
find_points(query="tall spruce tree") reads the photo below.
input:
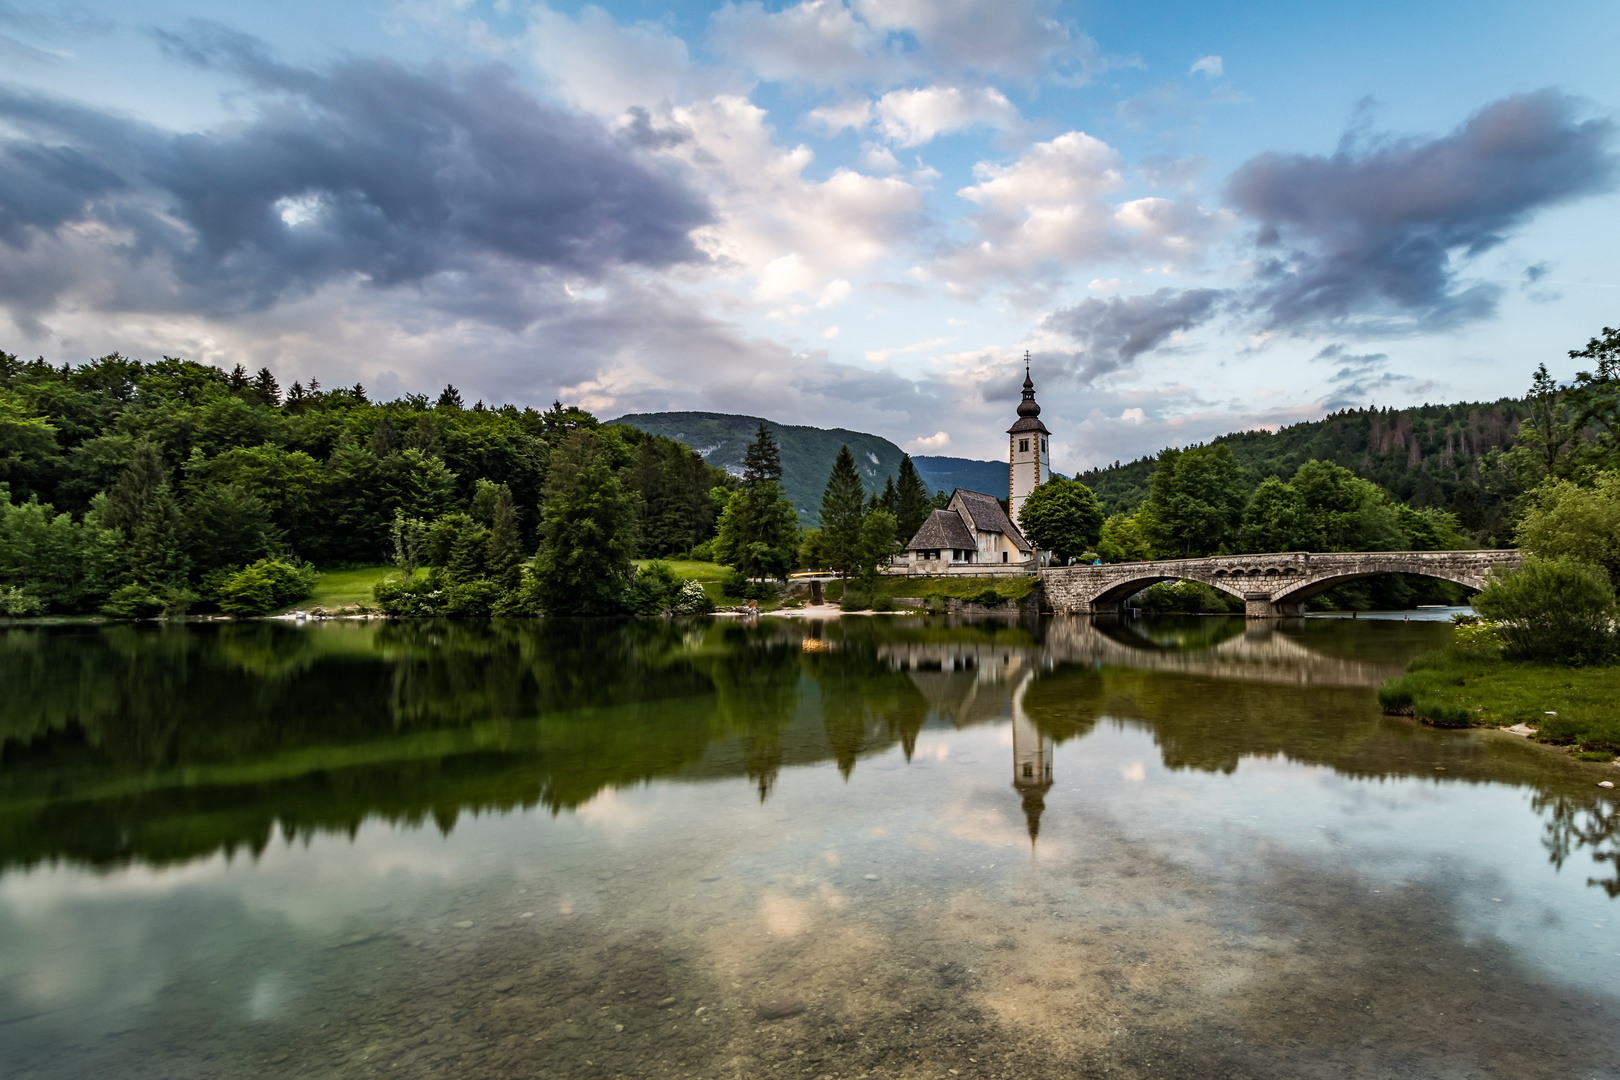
(759, 529)
(504, 555)
(843, 508)
(912, 501)
(143, 506)
(587, 531)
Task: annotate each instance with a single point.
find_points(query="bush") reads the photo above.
(654, 589)
(984, 598)
(883, 602)
(435, 596)
(1551, 610)
(1476, 636)
(15, 602)
(139, 600)
(692, 600)
(264, 586)
(852, 601)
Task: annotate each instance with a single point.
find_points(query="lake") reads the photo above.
(885, 847)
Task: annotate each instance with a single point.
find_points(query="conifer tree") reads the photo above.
(912, 502)
(265, 388)
(503, 555)
(587, 532)
(143, 506)
(842, 510)
(450, 398)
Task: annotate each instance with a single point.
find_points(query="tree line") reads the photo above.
(137, 488)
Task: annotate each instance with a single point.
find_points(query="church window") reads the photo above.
(1043, 446)
(1023, 446)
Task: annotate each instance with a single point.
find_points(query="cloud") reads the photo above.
(1361, 375)
(1113, 333)
(1050, 210)
(789, 233)
(817, 41)
(602, 66)
(1373, 234)
(934, 443)
(1208, 66)
(365, 170)
(913, 117)
(888, 42)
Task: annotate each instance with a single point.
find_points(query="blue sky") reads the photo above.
(1196, 218)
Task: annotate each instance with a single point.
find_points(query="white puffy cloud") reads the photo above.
(913, 117)
(1052, 208)
(789, 233)
(1208, 66)
(817, 41)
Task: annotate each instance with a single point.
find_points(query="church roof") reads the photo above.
(988, 516)
(942, 529)
(1028, 423)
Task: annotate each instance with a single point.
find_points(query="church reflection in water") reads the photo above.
(973, 683)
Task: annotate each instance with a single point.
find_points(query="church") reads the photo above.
(973, 533)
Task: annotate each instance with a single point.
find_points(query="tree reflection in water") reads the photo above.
(162, 744)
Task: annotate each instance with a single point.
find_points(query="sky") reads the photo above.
(1195, 218)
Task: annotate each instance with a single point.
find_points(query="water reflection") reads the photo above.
(781, 850)
(165, 744)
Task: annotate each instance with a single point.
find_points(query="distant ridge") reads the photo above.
(808, 453)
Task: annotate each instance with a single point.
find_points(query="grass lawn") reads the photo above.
(1455, 688)
(345, 588)
(695, 571)
(1008, 588)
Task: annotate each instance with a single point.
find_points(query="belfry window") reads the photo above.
(1043, 446)
(1023, 446)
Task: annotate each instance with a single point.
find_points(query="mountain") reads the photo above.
(945, 473)
(1425, 456)
(808, 453)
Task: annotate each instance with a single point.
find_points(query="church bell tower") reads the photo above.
(1029, 463)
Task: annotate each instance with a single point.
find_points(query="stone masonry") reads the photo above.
(1271, 586)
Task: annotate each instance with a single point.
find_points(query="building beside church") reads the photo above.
(973, 534)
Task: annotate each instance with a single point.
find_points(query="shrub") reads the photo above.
(264, 586)
(15, 602)
(1476, 636)
(1555, 610)
(883, 602)
(654, 589)
(140, 600)
(984, 597)
(409, 596)
(852, 601)
(692, 600)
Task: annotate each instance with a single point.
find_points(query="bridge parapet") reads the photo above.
(1269, 585)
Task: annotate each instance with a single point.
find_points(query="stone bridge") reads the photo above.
(1271, 586)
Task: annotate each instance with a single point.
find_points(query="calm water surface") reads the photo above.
(883, 847)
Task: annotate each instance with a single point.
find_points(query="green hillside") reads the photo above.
(807, 452)
(1426, 456)
(945, 473)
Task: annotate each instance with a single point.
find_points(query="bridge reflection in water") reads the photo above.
(975, 682)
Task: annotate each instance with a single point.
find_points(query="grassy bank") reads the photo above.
(349, 588)
(1569, 706)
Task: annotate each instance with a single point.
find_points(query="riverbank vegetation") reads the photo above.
(1546, 650)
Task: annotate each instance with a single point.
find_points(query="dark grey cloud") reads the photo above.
(1371, 233)
(1361, 376)
(1113, 333)
(366, 169)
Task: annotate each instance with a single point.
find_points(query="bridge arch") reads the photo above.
(1269, 584)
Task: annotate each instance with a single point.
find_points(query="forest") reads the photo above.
(135, 488)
